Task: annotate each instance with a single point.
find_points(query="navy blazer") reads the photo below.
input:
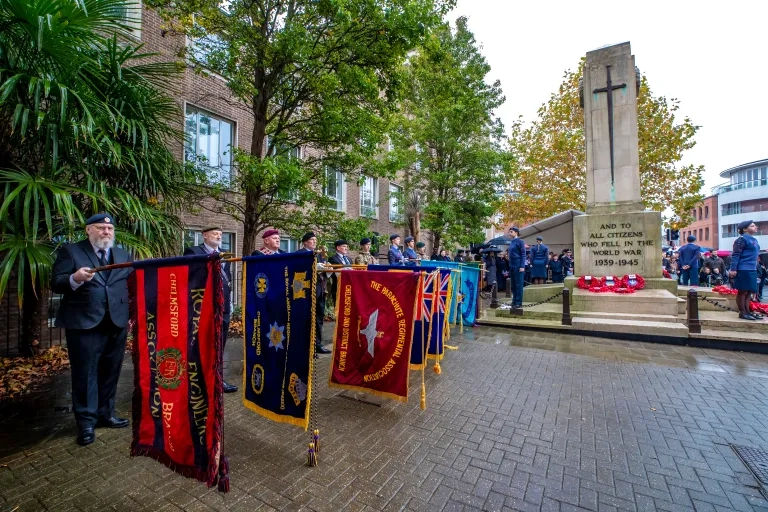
(226, 269)
(85, 307)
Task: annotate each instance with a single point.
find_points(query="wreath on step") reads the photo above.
(611, 284)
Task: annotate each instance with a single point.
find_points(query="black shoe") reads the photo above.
(230, 388)
(747, 316)
(86, 436)
(113, 422)
(321, 349)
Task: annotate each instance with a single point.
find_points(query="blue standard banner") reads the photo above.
(279, 330)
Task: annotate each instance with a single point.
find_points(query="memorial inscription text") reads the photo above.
(617, 244)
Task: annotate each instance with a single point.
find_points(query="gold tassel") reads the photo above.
(311, 456)
(316, 437)
(451, 347)
(423, 397)
(437, 368)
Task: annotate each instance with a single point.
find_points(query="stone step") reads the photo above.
(522, 321)
(734, 324)
(631, 327)
(642, 302)
(627, 316)
(731, 335)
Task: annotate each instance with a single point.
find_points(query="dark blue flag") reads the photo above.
(279, 329)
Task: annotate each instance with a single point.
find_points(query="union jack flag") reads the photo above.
(426, 296)
(443, 292)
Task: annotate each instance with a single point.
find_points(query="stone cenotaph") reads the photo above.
(617, 236)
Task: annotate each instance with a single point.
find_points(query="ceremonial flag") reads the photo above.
(177, 311)
(423, 328)
(464, 282)
(442, 309)
(278, 319)
(374, 328)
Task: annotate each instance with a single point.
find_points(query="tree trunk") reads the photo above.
(414, 225)
(251, 220)
(436, 239)
(31, 316)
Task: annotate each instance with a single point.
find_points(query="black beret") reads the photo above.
(460, 251)
(393, 236)
(340, 242)
(365, 241)
(408, 239)
(100, 218)
(212, 228)
(539, 238)
(420, 244)
(691, 238)
(744, 225)
(307, 236)
(515, 229)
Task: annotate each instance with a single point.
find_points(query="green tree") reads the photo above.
(83, 128)
(450, 139)
(319, 75)
(549, 156)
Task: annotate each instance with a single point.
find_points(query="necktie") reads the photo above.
(103, 262)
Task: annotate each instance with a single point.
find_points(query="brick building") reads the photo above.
(704, 227)
(213, 120)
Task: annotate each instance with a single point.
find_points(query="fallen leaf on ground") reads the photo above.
(18, 374)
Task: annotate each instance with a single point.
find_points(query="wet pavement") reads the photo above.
(518, 420)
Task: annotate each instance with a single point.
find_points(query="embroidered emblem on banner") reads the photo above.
(371, 333)
(257, 378)
(297, 389)
(261, 283)
(170, 368)
(300, 285)
(276, 336)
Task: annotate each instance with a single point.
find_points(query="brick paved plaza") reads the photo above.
(517, 421)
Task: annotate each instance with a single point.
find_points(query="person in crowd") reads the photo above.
(421, 250)
(490, 267)
(271, 245)
(716, 267)
(364, 257)
(212, 238)
(340, 258)
(435, 254)
(664, 260)
(459, 256)
(743, 267)
(673, 267)
(517, 257)
(567, 258)
(94, 315)
(705, 277)
(502, 270)
(309, 244)
(409, 255)
(556, 267)
(394, 256)
(689, 261)
(539, 261)
(762, 274)
(444, 255)
(527, 276)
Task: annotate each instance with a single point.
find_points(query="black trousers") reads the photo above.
(319, 317)
(96, 358)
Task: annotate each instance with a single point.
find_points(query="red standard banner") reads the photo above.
(374, 329)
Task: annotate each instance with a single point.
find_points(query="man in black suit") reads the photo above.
(94, 314)
(309, 243)
(211, 244)
(340, 258)
(271, 244)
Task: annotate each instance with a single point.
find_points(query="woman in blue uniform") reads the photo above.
(743, 268)
(539, 261)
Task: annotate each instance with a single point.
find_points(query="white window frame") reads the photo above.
(197, 236)
(395, 208)
(133, 15)
(220, 176)
(341, 186)
(369, 210)
(289, 244)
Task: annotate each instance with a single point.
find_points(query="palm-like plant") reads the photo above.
(84, 127)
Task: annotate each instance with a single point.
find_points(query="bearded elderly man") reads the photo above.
(212, 238)
(271, 244)
(94, 315)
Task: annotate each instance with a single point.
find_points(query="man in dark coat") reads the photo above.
(94, 314)
(689, 262)
(309, 244)
(716, 266)
(459, 256)
(212, 244)
(340, 258)
(517, 257)
(271, 245)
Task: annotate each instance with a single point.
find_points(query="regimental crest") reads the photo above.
(257, 379)
(469, 306)
(170, 368)
(261, 283)
(297, 389)
(632, 280)
(610, 281)
(300, 285)
(276, 336)
(371, 333)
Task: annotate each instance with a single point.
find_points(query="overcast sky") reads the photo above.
(712, 56)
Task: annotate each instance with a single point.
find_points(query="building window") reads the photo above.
(701, 234)
(195, 237)
(706, 212)
(700, 217)
(731, 209)
(130, 14)
(209, 141)
(289, 244)
(729, 231)
(395, 209)
(706, 234)
(334, 187)
(369, 197)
